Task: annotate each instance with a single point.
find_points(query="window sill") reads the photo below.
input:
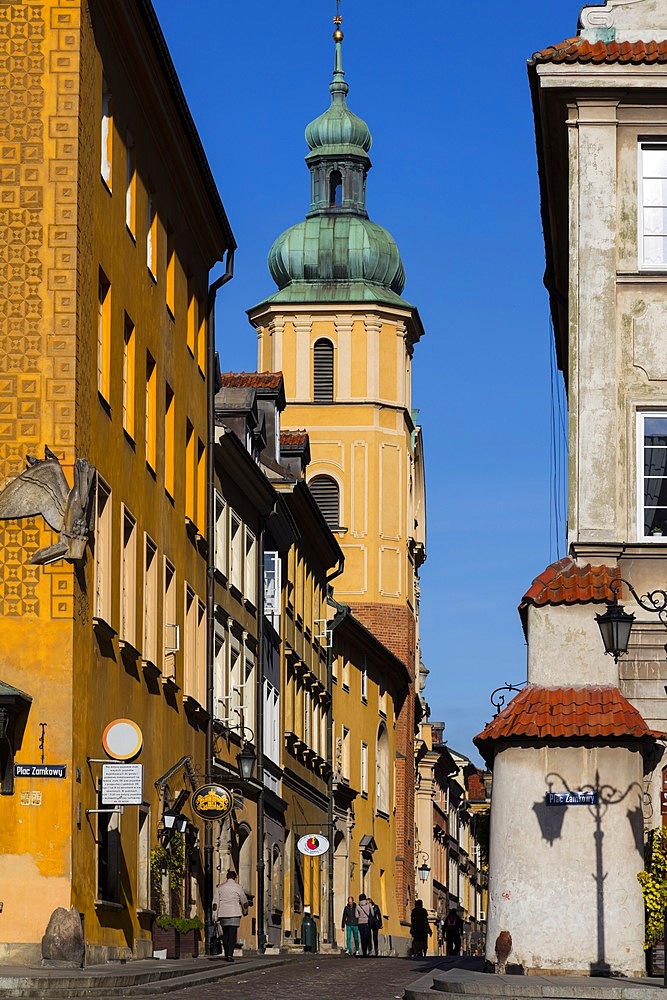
(169, 684)
(103, 629)
(128, 651)
(107, 904)
(381, 814)
(145, 912)
(151, 669)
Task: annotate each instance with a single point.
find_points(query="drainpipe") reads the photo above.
(342, 610)
(210, 582)
(259, 739)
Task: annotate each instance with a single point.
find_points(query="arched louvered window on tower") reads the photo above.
(335, 189)
(327, 497)
(323, 371)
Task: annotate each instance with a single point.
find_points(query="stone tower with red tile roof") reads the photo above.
(577, 765)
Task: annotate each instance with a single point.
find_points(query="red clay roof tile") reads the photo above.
(580, 50)
(251, 380)
(294, 439)
(565, 714)
(565, 582)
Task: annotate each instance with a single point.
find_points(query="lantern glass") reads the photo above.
(424, 871)
(615, 626)
(245, 760)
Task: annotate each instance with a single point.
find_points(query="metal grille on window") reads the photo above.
(323, 371)
(327, 498)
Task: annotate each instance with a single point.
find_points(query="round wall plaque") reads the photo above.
(122, 739)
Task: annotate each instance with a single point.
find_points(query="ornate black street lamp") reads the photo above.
(616, 623)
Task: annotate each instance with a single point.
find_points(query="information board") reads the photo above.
(122, 784)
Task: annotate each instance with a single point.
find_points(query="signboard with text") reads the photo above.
(572, 798)
(40, 770)
(122, 784)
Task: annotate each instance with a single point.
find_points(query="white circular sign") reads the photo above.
(313, 844)
(122, 739)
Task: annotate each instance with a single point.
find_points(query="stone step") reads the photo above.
(467, 985)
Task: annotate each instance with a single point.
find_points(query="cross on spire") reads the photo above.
(338, 20)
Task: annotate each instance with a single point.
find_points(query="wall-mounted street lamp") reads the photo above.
(246, 757)
(616, 623)
(175, 821)
(423, 870)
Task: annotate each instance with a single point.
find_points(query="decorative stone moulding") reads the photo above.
(625, 20)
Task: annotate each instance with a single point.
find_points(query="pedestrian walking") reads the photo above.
(453, 929)
(375, 927)
(420, 929)
(350, 925)
(230, 903)
(365, 920)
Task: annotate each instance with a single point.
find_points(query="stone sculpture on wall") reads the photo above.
(43, 490)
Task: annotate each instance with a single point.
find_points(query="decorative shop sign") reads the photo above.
(572, 798)
(312, 845)
(212, 801)
(122, 784)
(40, 770)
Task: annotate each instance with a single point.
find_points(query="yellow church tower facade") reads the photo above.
(343, 337)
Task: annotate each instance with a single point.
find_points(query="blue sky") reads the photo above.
(443, 87)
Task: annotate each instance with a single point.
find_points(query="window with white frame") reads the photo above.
(220, 534)
(653, 205)
(307, 718)
(271, 722)
(106, 137)
(171, 629)
(272, 568)
(382, 770)
(236, 551)
(249, 689)
(150, 600)
(364, 769)
(345, 753)
(364, 678)
(104, 527)
(250, 584)
(652, 475)
(128, 597)
(220, 692)
(190, 642)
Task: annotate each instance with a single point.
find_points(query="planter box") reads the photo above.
(177, 945)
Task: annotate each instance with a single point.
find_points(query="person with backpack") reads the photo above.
(375, 927)
(350, 925)
(453, 929)
(365, 919)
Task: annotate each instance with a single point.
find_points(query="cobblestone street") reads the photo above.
(316, 977)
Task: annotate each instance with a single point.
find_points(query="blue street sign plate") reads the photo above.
(40, 770)
(572, 798)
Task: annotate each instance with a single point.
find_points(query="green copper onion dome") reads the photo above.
(337, 252)
(338, 127)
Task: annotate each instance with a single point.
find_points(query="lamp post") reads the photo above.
(616, 623)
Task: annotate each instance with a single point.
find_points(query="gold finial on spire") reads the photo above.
(338, 20)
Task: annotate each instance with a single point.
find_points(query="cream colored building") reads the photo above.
(585, 723)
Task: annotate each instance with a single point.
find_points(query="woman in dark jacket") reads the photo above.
(350, 925)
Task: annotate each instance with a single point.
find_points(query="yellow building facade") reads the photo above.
(107, 245)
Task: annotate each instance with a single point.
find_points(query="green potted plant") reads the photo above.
(176, 934)
(653, 881)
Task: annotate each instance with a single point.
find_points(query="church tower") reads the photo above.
(343, 337)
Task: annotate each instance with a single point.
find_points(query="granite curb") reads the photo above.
(141, 978)
(473, 985)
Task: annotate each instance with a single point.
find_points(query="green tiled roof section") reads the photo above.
(337, 292)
